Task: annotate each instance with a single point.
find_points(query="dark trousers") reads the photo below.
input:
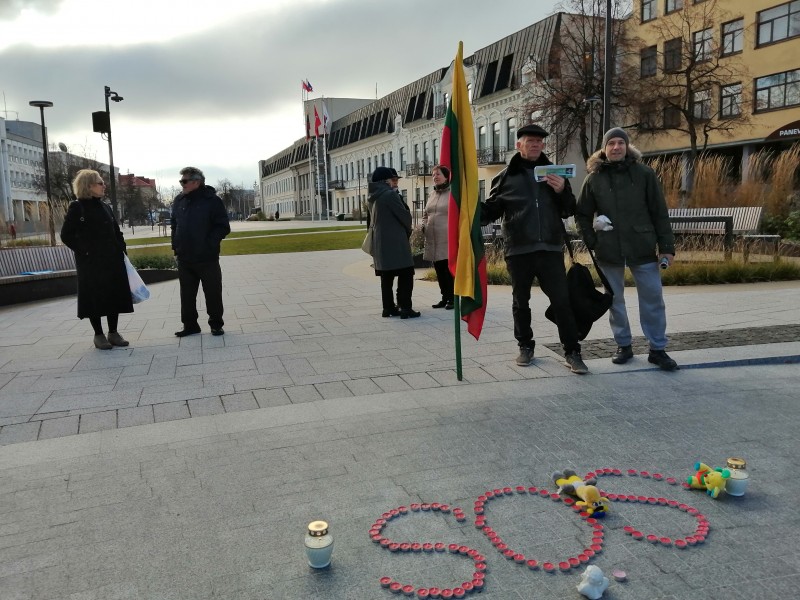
(444, 278)
(405, 285)
(190, 275)
(548, 268)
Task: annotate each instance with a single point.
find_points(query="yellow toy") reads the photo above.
(568, 482)
(708, 479)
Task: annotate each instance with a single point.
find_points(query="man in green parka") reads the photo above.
(622, 216)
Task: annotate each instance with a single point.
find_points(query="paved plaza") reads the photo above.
(189, 468)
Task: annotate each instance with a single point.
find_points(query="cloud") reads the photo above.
(246, 71)
(12, 8)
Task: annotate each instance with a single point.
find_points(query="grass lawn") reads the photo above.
(258, 233)
(337, 240)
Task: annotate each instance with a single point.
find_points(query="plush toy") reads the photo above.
(568, 482)
(593, 583)
(708, 479)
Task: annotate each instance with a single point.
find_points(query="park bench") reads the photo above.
(36, 272)
(733, 221)
(491, 233)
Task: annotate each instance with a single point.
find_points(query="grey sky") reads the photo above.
(228, 93)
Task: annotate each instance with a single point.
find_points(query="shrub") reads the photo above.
(153, 261)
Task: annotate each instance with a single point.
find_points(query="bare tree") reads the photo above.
(687, 79)
(566, 88)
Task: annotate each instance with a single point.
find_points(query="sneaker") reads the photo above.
(622, 355)
(391, 312)
(115, 339)
(409, 313)
(525, 356)
(662, 359)
(101, 342)
(575, 363)
(188, 331)
(219, 331)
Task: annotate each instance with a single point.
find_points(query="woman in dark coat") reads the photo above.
(391, 228)
(92, 233)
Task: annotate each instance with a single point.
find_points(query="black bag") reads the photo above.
(587, 302)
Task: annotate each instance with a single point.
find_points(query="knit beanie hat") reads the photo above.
(616, 132)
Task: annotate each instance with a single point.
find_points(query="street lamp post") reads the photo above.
(42, 104)
(591, 102)
(102, 125)
(608, 69)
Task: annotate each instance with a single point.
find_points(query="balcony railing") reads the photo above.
(336, 184)
(492, 155)
(419, 168)
(439, 111)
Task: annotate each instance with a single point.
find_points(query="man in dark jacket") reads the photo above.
(199, 224)
(534, 237)
(628, 194)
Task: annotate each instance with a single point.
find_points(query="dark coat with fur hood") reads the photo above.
(629, 193)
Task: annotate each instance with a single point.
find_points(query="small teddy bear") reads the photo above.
(568, 482)
(593, 583)
(708, 479)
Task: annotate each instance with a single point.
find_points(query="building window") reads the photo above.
(672, 5)
(436, 152)
(391, 160)
(778, 91)
(416, 154)
(369, 165)
(649, 8)
(672, 114)
(426, 152)
(701, 105)
(778, 23)
(649, 61)
(482, 137)
(672, 55)
(511, 131)
(730, 100)
(732, 37)
(482, 190)
(703, 44)
(496, 134)
(648, 115)
(403, 158)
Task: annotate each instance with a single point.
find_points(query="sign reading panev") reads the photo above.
(787, 132)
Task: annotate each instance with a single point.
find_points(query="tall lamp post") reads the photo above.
(101, 122)
(591, 102)
(608, 69)
(42, 104)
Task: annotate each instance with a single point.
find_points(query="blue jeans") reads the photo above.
(652, 311)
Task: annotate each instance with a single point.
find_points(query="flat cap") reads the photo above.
(532, 130)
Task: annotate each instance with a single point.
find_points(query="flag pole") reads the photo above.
(457, 317)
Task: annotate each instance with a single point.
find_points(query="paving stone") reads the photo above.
(271, 397)
(20, 432)
(98, 421)
(362, 387)
(333, 389)
(302, 393)
(138, 415)
(170, 411)
(419, 381)
(237, 402)
(202, 407)
(60, 427)
(391, 383)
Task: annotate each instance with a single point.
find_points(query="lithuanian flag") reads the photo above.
(465, 242)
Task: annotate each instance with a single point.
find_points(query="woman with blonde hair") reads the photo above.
(434, 223)
(92, 233)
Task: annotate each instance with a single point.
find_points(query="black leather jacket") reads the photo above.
(199, 224)
(531, 211)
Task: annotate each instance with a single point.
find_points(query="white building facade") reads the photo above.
(21, 163)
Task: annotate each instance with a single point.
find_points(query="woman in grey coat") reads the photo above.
(434, 223)
(391, 250)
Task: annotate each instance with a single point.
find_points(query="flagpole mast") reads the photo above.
(325, 155)
(457, 329)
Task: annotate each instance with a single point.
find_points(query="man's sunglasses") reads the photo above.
(185, 181)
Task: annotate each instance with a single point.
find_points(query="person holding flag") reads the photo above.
(534, 239)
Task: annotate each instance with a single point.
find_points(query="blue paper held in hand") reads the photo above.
(565, 171)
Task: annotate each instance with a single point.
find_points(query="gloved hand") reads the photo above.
(602, 223)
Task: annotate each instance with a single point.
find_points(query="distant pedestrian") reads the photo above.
(434, 224)
(12, 230)
(391, 250)
(533, 237)
(93, 234)
(199, 224)
(628, 193)
(277, 215)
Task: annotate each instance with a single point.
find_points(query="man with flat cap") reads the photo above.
(534, 238)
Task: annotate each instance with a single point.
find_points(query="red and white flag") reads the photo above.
(317, 122)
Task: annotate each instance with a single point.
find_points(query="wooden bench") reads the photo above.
(741, 221)
(15, 262)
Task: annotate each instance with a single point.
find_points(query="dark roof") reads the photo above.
(498, 67)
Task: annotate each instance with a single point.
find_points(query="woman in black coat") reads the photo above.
(92, 233)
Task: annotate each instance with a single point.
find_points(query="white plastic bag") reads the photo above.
(139, 291)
